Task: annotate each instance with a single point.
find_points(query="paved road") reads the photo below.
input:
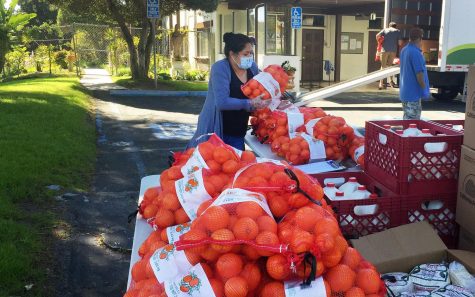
(128, 148)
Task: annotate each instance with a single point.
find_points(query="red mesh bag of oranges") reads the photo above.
(336, 135)
(357, 150)
(268, 84)
(212, 154)
(299, 148)
(237, 218)
(285, 188)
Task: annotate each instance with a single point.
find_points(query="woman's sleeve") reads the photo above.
(220, 88)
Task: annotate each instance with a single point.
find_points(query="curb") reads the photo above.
(152, 93)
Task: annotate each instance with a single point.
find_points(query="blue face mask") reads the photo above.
(246, 62)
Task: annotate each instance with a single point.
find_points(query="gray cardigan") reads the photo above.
(210, 119)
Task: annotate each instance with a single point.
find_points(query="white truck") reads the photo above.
(449, 39)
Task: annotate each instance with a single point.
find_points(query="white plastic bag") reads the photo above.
(429, 277)
(397, 283)
(459, 276)
(452, 291)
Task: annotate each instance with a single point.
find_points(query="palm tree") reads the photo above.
(11, 22)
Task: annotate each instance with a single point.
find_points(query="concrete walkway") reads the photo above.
(132, 142)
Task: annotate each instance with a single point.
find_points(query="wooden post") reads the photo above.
(339, 19)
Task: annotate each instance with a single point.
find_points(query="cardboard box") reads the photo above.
(465, 214)
(466, 240)
(469, 128)
(402, 248)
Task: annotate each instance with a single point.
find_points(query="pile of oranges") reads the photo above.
(336, 135)
(252, 246)
(253, 89)
(356, 150)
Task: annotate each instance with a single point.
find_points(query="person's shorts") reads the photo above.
(412, 110)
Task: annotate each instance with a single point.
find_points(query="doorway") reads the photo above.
(312, 55)
(372, 45)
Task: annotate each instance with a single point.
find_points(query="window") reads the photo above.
(313, 21)
(202, 44)
(225, 25)
(240, 24)
(279, 35)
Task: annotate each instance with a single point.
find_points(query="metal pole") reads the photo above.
(154, 52)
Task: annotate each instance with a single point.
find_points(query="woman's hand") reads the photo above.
(259, 103)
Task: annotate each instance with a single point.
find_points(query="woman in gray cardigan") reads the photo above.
(226, 109)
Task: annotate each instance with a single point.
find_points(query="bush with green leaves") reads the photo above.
(123, 71)
(193, 75)
(15, 61)
(60, 58)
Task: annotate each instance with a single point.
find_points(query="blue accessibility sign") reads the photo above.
(296, 17)
(153, 9)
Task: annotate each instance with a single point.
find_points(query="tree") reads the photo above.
(131, 12)
(11, 22)
(46, 13)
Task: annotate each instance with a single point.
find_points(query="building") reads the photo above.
(340, 32)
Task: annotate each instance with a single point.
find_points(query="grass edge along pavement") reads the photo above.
(164, 85)
(47, 137)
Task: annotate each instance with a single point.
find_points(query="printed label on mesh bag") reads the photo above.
(231, 196)
(191, 193)
(294, 121)
(428, 277)
(174, 232)
(358, 153)
(194, 283)
(316, 146)
(194, 163)
(295, 289)
(269, 83)
(167, 263)
(310, 124)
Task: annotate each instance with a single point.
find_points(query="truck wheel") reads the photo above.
(445, 94)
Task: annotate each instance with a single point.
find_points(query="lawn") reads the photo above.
(47, 137)
(164, 85)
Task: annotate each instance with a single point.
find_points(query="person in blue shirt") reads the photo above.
(226, 109)
(414, 82)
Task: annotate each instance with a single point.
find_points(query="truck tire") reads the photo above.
(445, 94)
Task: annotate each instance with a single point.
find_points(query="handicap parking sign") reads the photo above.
(296, 17)
(153, 9)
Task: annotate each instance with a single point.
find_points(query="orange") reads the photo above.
(306, 218)
(297, 200)
(355, 292)
(266, 223)
(285, 232)
(174, 173)
(258, 182)
(211, 189)
(192, 257)
(252, 274)
(245, 229)
(365, 264)
(352, 258)
(302, 241)
(138, 271)
(218, 287)
(331, 258)
(277, 267)
(236, 287)
(170, 201)
(151, 193)
(214, 166)
(210, 254)
(206, 150)
(230, 166)
(248, 156)
(217, 181)
(181, 217)
(267, 238)
(229, 265)
(274, 289)
(155, 245)
(150, 211)
(221, 155)
(207, 269)
(222, 235)
(144, 248)
(232, 222)
(164, 235)
(341, 278)
(250, 252)
(261, 169)
(215, 218)
(327, 225)
(368, 280)
(195, 235)
(278, 206)
(341, 244)
(325, 242)
(249, 209)
(164, 218)
(203, 206)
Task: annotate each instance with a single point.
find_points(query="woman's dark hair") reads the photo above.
(235, 42)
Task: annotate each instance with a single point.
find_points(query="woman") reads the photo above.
(226, 109)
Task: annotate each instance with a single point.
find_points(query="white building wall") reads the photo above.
(353, 65)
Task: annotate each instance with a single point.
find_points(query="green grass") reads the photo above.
(164, 85)
(47, 137)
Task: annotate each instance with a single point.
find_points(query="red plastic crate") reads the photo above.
(353, 225)
(408, 165)
(450, 122)
(437, 209)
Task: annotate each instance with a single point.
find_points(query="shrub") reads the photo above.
(60, 58)
(123, 71)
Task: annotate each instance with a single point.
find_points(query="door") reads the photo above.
(312, 55)
(372, 46)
